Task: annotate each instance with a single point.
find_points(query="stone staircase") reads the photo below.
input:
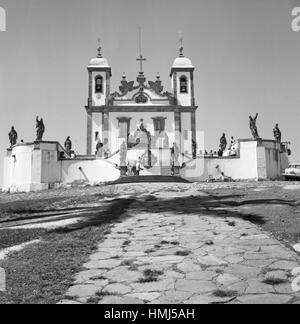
(165, 171)
(150, 179)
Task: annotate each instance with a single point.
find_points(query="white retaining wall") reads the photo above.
(36, 166)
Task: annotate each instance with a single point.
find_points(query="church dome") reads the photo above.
(183, 62)
(99, 62)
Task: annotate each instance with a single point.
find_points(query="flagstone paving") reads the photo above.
(159, 256)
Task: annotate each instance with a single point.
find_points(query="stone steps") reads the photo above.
(165, 171)
(148, 179)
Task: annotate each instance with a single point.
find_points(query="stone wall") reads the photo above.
(37, 166)
(255, 161)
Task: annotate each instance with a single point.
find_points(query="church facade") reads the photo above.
(141, 115)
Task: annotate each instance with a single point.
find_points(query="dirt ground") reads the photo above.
(277, 207)
(88, 212)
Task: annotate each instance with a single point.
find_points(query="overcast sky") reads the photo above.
(245, 53)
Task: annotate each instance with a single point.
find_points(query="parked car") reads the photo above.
(292, 172)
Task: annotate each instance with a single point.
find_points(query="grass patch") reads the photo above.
(130, 264)
(209, 242)
(126, 243)
(42, 273)
(127, 263)
(175, 243)
(164, 242)
(148, 280)
(275, 281)
(99, 296)
(183, 253)
(116, 257)
(150, 251)
(167, 243)
(225, 293)
(150, 276)
(231, 223)
(220, 271)
(9, 238)
(133, 267)
(98, 278)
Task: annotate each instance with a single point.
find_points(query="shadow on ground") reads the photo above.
(116, 212)
(214, 206)
(273, 212)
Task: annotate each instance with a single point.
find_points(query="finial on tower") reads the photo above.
(99, 48)
(181, 48)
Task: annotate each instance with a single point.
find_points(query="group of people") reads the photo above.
(135, 168)
(101, 152)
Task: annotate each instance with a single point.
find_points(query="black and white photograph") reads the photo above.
(149, 154)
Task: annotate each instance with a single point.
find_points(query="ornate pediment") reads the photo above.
(141, 98)
(144, 95)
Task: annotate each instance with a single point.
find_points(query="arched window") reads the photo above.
(98, 84)
(183, 84)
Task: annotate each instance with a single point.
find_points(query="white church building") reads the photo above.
(139, 123)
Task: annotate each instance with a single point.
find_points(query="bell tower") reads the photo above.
(182, 78)
(99, 80)
(99, 73)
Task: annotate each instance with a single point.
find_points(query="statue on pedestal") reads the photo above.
(13, 136)
(123, 157)
(194, 149)
(175, 159)
(40, 129)
(277, 133)
(166, 141)
(253, 127)
(223, 144)
(68, 145)
(123, 154)
(99, 149)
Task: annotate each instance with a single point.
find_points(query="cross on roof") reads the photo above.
(141, 59)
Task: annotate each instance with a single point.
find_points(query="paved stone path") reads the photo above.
(158, 255)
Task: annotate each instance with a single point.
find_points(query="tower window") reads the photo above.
(99, 84)
(183, 84)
